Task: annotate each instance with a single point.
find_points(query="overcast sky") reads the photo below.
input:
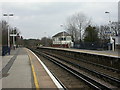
(39, 19)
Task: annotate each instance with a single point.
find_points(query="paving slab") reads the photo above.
(6, 58)
(19, 75)
(20, 72)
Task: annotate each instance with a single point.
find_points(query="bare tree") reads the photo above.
(4, 33)
(72, 30)
(103, 32)
(76, 25)
(46, 41)
(114, 28)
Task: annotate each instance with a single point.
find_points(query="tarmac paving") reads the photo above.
(44, 80)
(19, 74)
(22, 69)
(109, 53)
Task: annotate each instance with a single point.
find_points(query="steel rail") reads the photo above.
(100, 65)
(117, 81)
(86, 79)
(64, 87)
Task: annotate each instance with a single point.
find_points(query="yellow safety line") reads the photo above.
(35, 78)
(34, 75)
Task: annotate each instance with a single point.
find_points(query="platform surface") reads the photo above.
(18, 72)
(44, 80)
(108, 53)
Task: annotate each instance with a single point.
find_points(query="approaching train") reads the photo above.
(62, 39)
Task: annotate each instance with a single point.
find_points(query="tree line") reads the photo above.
(19, 41)
(45, 41)
(80, 27)
(12, 30)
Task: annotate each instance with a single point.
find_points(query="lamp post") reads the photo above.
(8, 15)
(111, 40)
(63, 38)
(45, 39)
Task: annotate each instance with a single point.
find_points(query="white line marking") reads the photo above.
(49, 73)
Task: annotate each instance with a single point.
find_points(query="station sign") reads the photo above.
(108, 32)
(13, 35)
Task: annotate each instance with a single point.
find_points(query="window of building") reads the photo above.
(62, 39)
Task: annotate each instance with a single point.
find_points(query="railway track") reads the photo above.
(87, 79)
(105, 77)
(96, 64)
(64, 87)
(117, 70)
(108, 70)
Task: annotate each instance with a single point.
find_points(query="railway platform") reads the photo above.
(107, 53)
(23, 69)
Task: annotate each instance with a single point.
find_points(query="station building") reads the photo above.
(62, 39)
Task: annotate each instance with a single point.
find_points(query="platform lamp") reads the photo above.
(8, 15)
(111, 40)
(62, 37)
